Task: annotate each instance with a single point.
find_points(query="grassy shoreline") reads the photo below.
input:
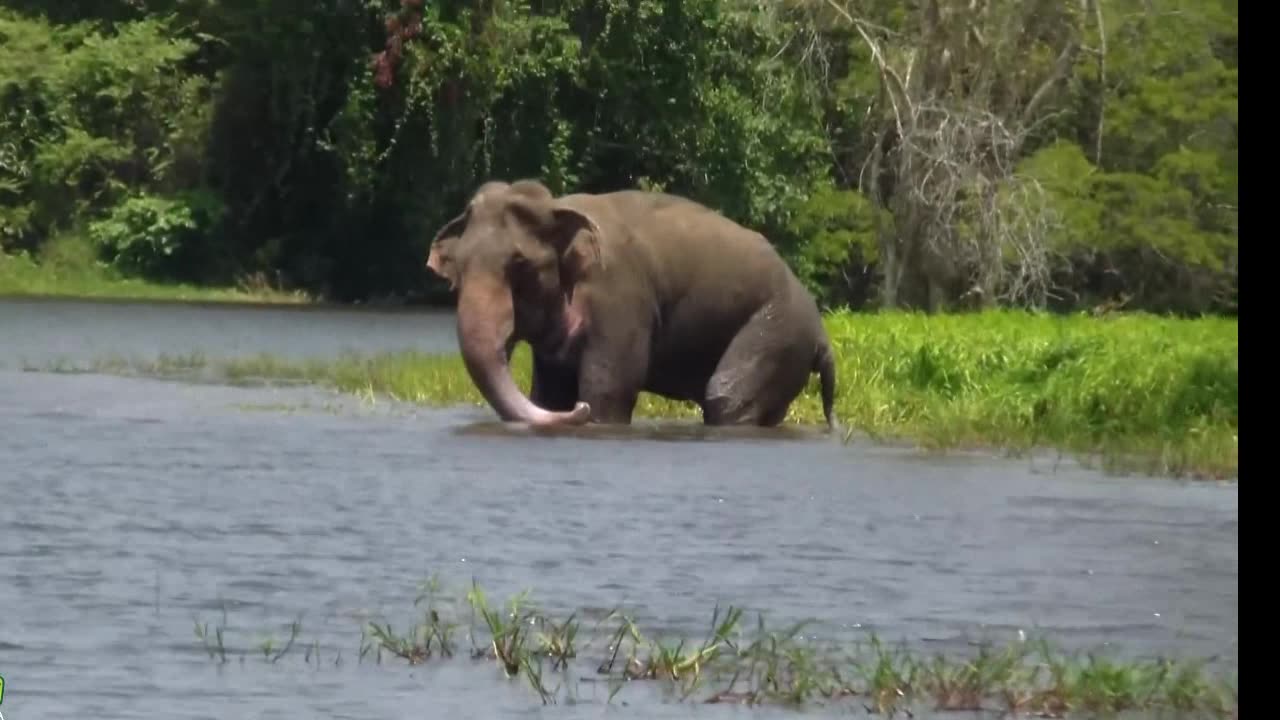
(740, 660)
(1135, 392)
(23, 277)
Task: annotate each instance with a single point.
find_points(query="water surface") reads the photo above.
(133, 506)
(46, 332)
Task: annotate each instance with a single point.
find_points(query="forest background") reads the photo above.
(936, 154)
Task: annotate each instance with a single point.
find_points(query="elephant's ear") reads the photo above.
(578, 241)
(439, 259)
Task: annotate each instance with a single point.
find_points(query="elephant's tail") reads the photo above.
(824, 363)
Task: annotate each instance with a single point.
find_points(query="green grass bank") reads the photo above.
(1138, 392)
(23, 276)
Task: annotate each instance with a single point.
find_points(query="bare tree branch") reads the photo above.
(1061, 69)
(959, 97)
(897, 88)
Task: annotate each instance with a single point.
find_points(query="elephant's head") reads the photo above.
(513, 256)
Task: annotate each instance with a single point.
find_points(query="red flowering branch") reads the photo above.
(401, 27)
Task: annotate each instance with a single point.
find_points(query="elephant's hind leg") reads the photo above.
(759, 375)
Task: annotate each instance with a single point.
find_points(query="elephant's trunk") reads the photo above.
(486, 323)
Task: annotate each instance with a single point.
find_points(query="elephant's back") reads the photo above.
(686, 249)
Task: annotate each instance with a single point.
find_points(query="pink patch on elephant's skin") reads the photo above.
(575, 323)
(574, 320)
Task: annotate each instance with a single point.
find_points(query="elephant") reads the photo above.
(622, 292)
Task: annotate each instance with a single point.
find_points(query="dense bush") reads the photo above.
(95, 121)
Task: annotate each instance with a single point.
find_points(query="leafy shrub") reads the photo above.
(92, 119)
(148, 234)
(833, 244)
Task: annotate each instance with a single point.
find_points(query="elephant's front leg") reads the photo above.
(611, 376)
(554, 387)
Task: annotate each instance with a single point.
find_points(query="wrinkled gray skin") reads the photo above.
(623, 292)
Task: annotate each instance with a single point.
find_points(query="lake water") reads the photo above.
(131, 507)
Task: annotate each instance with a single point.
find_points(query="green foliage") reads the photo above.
(836, 232)
(91, 117)
(1161, 130)
(325, 145)
(1127, 210)
(1067, 177)
(146, 233)
(1170, 218)
(1173, 79)
(689, 100)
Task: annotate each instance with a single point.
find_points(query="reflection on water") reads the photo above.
(645, 429)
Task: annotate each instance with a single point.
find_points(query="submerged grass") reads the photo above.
(738, 663)
(1138, 391)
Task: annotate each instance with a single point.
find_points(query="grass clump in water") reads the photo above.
(760, 666)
